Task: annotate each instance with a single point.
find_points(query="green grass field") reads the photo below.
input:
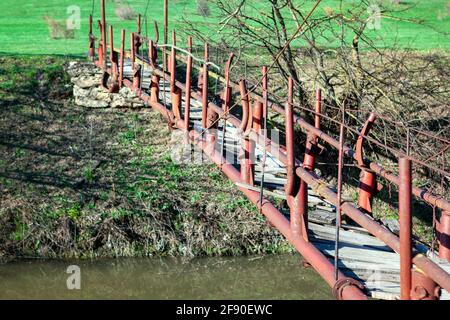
(24, 31)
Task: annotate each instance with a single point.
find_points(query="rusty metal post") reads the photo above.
(368, 186)
(296, 190)
(154, 85)
(204, 88)
(135, 67)
(257, 116)
(139, 24)
(291, 187)
(174, 90)
(103, 24)
(114, 77)
(311, 139)
(165, 30)
(122, 57)
(247, 147)
(91, 40)
(100, 46)
(187, 103)
(444, 235)
(404, 206)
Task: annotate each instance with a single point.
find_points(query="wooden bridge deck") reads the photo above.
(361, 255)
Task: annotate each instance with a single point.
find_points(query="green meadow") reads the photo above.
(23, 29)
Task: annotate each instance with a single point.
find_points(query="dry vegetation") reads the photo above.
(76, 182)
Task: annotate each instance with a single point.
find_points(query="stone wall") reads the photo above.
(88, 92)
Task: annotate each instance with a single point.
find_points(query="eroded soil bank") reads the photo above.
(93, 182)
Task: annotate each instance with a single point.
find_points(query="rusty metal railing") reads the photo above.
(421, 283)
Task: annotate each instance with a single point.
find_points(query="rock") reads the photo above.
(88, 92)
(392, 224)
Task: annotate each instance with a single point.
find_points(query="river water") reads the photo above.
(260, 277)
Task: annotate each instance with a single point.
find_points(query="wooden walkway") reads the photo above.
(361, 255)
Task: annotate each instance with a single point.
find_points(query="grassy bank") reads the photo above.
(78, 182)
(23, 29)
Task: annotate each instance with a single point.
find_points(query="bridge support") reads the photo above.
(296, 189)
(122, 57)
(187, 98)
(174, 90)
(91, 41)
(247, 153)
(404, 204)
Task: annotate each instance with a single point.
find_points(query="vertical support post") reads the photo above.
(100, 46)
(187, 105)
(103, 25)
(91, 40)
(136, 68)
(113, 87)
(444, 236)
(296, 189)
(311, 139)
(122, 57)
(174, 90)
(154, 85)
(404, 196)
(257, 116)
(132, 50)
(204, 88)
(166, 26)
(247, 149)
(139, 24)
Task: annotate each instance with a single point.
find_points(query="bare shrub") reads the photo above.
(58, 29)
(125, 12)
(203, 8)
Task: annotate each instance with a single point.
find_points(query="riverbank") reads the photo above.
(77, 182)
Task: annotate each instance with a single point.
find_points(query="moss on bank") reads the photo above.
(77, 182)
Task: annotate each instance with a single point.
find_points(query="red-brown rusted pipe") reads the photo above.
(132, 50)
(165, 29)
(152, 53)
(292, 185)
(204, 89)
(245, 103)
(367, 187)
(318, 108)
(139, 24)
(100, 47)
(122, 57)
(404, 206)
(289, 128)
(187, 105)
(444, 236)
(311, 139)
(174, 90)
(113, 86)
(91, 40)
(103, 24)
(257, 116)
